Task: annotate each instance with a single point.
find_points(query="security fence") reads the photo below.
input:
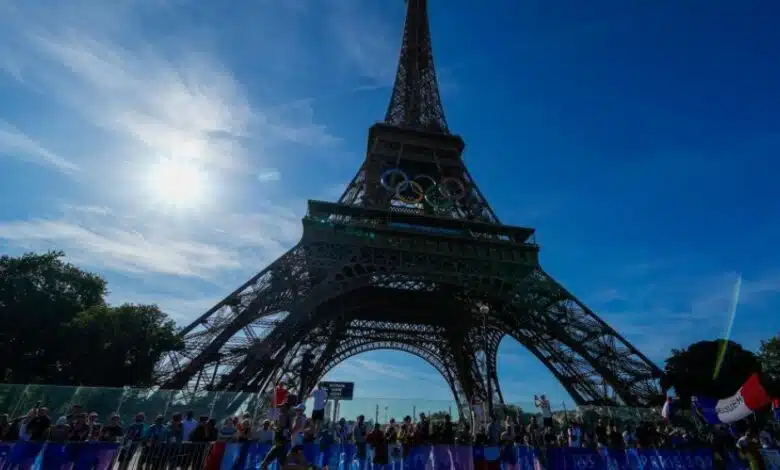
(16, 400)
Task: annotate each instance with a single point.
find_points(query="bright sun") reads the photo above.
(178, 183)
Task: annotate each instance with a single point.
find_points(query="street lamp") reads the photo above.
(484, 310)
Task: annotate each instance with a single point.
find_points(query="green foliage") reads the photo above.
(56, 328)
(769, 355)
(691, 371)
(128, 339)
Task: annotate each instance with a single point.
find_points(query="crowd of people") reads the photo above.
(288, 429)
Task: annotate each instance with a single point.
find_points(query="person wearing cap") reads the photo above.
(298, 424)
(61, 430)
(265, 435)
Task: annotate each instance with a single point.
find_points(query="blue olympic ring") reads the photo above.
(439, 194)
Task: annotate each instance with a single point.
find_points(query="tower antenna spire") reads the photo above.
(415, 102)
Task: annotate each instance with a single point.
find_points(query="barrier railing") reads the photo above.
(17, 400)
(251, 455)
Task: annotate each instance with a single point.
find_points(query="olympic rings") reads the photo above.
(439, 194)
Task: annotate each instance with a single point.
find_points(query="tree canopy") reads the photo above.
(56, 327)
(692, 371)
(769, 354)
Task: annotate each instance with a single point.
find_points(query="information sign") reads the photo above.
(339, 390)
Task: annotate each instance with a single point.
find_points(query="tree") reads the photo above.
(39, 294)
(769, 355)
(118, 346)
(56, 328)
(692, 371)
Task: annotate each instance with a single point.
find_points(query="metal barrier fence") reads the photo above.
(16, 400)
(185, 455)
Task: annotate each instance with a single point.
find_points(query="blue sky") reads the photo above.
(171, 145)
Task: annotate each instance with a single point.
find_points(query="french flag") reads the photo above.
(749, 398)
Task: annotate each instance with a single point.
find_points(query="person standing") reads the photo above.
(279, 399)
(543, 404)
(189, 425)
(320, 397)
(359, 433)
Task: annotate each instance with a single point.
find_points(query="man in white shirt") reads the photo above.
(543, 404)
(320, 397)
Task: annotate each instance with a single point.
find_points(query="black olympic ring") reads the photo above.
(439, 194)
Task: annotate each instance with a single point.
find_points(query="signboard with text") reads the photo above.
(339, 390)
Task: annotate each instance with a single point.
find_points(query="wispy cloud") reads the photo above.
(267, 175)
(171, 101)
(16, 144)
(131, 97)
(203, 248)
(671, 311)
(367, 369)
(380, 380)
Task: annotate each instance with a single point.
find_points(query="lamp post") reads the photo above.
(484, 310)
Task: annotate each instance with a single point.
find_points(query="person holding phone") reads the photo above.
(543, 404)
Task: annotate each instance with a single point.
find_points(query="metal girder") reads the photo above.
(415, 101)
(392, 302)
(388, 269)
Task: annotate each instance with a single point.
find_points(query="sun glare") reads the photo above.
(178, 183)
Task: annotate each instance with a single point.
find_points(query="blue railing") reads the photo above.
(250, 455)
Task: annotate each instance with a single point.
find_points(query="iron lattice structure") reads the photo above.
(410, 258)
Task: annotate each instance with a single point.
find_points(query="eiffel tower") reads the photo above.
(410, 258)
